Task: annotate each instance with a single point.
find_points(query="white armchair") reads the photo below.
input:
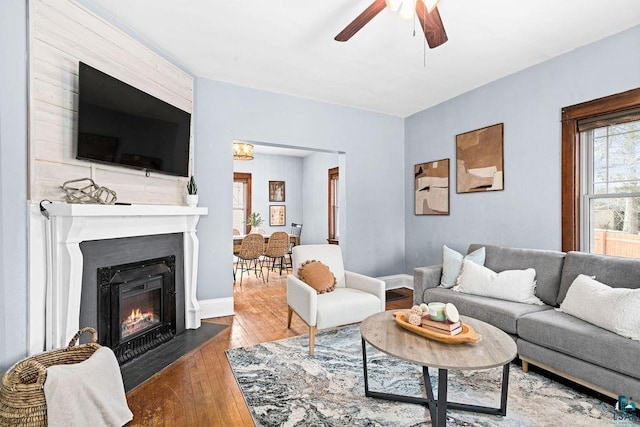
(355, 297)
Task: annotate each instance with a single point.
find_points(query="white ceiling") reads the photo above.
(287, 46)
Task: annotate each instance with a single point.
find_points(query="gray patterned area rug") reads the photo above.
(284, 386)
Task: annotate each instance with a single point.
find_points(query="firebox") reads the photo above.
(136, 306)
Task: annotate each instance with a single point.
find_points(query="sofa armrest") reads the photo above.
(366, 284)
(425, 278)
(303, 299)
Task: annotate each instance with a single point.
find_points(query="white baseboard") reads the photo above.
(397, 281)
(216, 307)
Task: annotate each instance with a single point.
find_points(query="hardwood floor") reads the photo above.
(199, 389)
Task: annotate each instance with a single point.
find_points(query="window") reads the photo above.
(610, 207)
(333, 205)
(241, 201)
(601, 175)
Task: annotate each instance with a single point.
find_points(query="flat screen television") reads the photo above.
(121, 125)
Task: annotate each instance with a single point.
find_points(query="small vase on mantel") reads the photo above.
(192, 192)
(192, 200)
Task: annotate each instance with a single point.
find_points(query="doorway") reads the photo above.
(302, 175)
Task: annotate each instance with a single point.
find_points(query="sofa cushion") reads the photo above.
(508, 285)
(616, 272)
(567, 334)
(452, 264)
(548, 266)
(614, 309)
(500, 313)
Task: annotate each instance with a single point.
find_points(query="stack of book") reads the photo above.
(443, 327)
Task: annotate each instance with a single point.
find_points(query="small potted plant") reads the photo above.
(254, 220)
(192, 192)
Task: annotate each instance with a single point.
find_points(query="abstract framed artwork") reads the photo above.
(432, 188)
(480, 160)
(277, 215)
(276, 191)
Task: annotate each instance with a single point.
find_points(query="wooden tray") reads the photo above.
(468, 334)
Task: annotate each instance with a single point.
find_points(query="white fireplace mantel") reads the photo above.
(56, 263)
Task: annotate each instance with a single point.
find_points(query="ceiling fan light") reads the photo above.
(430, 4)
(407, 9)
(393, 5)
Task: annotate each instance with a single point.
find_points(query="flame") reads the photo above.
(137, 315)
(138, 321)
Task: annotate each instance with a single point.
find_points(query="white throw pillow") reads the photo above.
(614, 309)
(509, 285)
(452, 264)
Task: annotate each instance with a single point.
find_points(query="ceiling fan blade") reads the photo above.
(431, 25)
(361, 20)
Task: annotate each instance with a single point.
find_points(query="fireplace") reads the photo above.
(77, 239)
(136, 306)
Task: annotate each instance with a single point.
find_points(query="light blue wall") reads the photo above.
(316, 214)
(374, 237)
(527, 213)
(13, 182)
(264, 168)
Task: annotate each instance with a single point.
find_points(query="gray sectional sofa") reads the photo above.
(555, 341)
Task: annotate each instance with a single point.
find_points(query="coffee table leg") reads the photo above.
(364, 366)
(442, 398)
(502, 410)
(387, 396)
(432, 401)
(505, 389)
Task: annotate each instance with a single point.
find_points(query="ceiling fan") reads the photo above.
(425, 10)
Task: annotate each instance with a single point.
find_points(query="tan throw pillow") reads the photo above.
(318, 276)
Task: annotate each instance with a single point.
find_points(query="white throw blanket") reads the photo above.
(89, 393)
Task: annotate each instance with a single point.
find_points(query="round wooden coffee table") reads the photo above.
(495, 349)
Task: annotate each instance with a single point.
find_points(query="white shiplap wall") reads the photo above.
(62, 33)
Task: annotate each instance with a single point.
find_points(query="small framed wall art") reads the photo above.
(277, 215)
(432, 188)
(276, 191)
(480, 160)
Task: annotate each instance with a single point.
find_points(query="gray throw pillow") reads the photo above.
(452, 264)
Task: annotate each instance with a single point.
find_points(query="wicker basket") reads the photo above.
(22, 401)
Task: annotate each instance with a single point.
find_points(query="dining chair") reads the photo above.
(277, 249)
(354, 298)
(236, 246)
(250, 251)
(296, 231)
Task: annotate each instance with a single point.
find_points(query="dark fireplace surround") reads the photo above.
(133, 292)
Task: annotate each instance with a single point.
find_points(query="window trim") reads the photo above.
(334, 174)
(571, 157)
(245, 177)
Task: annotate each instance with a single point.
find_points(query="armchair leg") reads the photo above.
(312, 339)
(312, 331)
(289, 315)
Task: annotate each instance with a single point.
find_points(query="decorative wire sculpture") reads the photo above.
(87, 192)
